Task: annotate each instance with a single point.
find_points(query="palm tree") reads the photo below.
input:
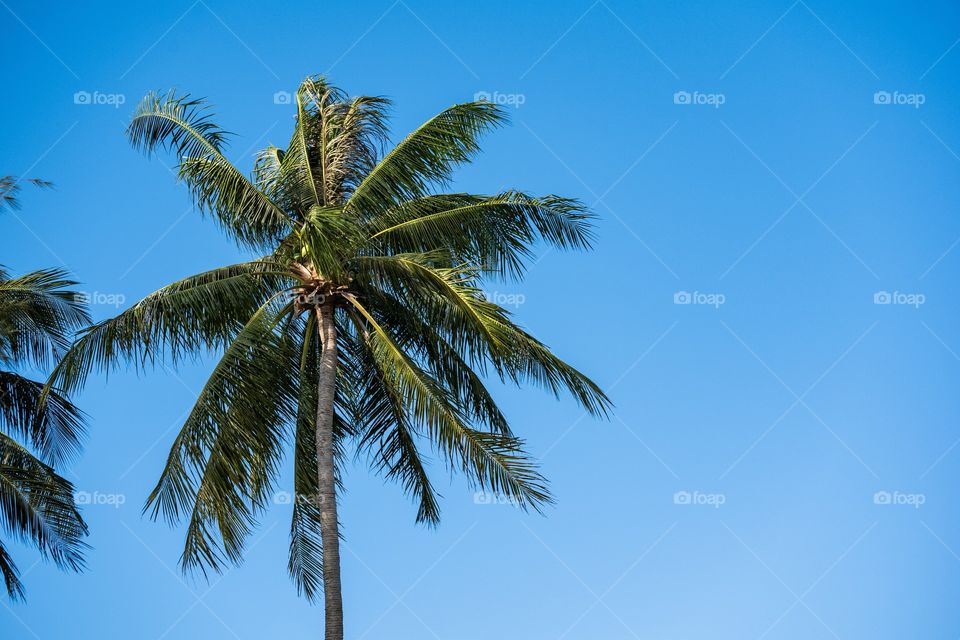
(38, 314)
(362, 321)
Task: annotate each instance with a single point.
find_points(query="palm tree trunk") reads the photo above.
(327, 487)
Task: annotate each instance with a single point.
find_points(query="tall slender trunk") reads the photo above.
(327, 486)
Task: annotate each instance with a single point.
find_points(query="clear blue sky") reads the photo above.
(782, 193)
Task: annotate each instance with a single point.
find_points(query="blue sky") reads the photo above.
(771, 304)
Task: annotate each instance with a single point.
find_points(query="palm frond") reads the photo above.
(48, 421)
(388, 437)
(39, 312)
(494, 461)
(426, 158)
(450, 301)
(185, 127)
(496, 233)
(434, 351)
(10, 189)
(37, 506)
(11, 575)
(222, 465)
(199, 313)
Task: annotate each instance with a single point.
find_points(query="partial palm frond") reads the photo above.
(335, 143)
(354, 134)
(434, 351)
(222, 465)
(450, 301)
(529, 360)
(37, 506)
(48, 421)
(185, 126)
(10, 190)
(388, 437)
(426, 158)
(11, 575)
(496, 233)
(39, 312)
(494, 461)
(199, 313)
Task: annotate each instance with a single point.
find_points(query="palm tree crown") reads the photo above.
(362, 321)
(38, 314)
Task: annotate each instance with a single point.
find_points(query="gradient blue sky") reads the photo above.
(793, 403)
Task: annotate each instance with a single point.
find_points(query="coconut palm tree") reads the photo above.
(360, 321)
(38, 314)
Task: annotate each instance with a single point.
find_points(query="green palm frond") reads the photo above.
(49, 422)
(494, 461)
(495, 233)
(445, 362)
(305, 560)
(184, 319)
(426, 158)
(326, 238)
(531, 361)
(39, 311)
(11, 575)
(37, 506)
(335, 143)
(354, 138)
(185, 127)
(390, 439)
(222, 465)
